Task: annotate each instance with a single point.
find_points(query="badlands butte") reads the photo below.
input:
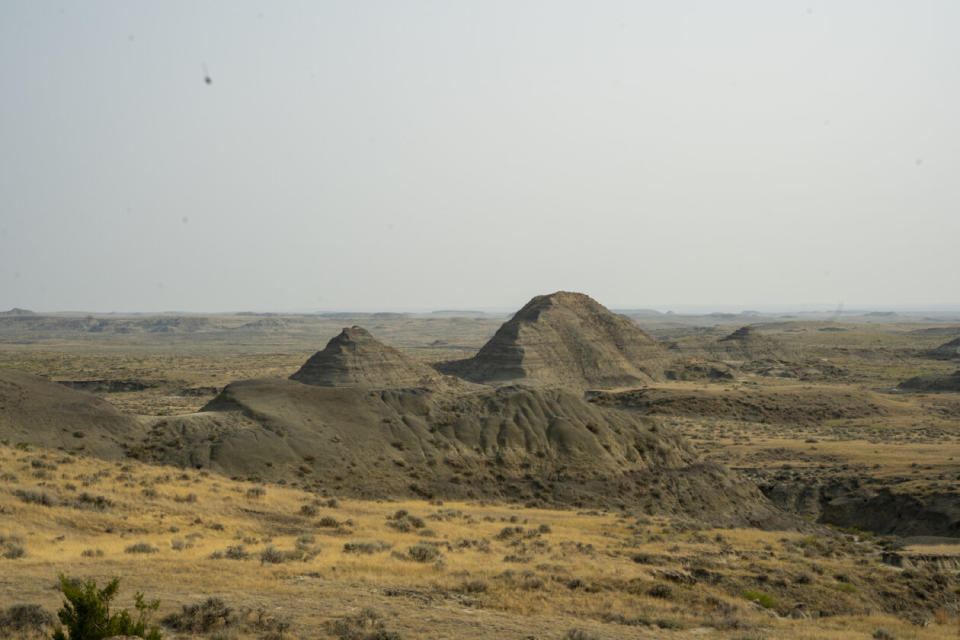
(361, 418)
(567, 404)
(831, 436)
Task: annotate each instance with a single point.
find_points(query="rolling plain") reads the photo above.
(453, 475)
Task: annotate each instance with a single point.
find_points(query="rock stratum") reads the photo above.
(748, 344)
(545, 447)
(355, 358)
(363, 419)
(565, 339)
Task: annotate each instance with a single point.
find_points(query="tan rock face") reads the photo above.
(566, 339)
(355, 358)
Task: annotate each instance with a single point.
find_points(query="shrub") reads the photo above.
(12, 546)
(366, 625)
(474, 586)
(668, 623)
(36, 497)
(328, 522)
(202, 617)
(373, 546)
(765, 600)
(24, 618)
(508, 532)
(86, 613)
(255, 493)
(141, 547)
(92, 553)
(95, 503)
(272, 555)
(405, 522)
(400, 525)
(308, 510)
(423, 553)
(661, 590)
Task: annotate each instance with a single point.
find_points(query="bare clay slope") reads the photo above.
(933, 383)
(355, 358)
(948, 351)
(565, 339)
(747, 344)
(37, 411)
(540, 446)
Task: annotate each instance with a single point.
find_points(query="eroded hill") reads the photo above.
(566, 339)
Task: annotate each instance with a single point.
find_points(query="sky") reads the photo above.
(408, 155)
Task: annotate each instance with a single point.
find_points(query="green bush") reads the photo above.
(765, 600)
(86, 613)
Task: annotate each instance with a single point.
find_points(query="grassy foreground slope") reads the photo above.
(285, 560)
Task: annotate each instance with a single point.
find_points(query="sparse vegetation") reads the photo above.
(765, 600)
(24, 620)
(86, 613)
(210, 615)
(506, 554)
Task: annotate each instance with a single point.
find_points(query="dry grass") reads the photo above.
(501, 571)
(593, 571)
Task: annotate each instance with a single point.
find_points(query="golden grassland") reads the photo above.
(609, 574)
(499, 571)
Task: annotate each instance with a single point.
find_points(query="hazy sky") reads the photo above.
(425, 155)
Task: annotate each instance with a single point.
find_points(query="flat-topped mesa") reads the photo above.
(355, 358)
(566, 339)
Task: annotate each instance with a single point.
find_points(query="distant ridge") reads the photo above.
(748, 344)
(265, 324)
(566, 339)
(356, 358)
(948, 350)
(933, 383)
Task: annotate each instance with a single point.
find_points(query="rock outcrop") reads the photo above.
(933, 383)
(747, 344)
(356, 359)
(947, 351)
(531, 445)
(565, 339)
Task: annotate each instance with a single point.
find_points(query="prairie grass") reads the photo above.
(579, 569)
